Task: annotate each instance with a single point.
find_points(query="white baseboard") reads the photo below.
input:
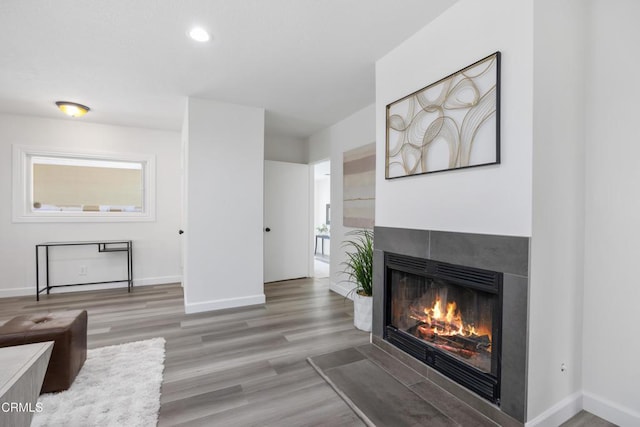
(558, 413)
(17, 292)
(157, 280)
(221, 304)
(610, 411)
(20, 292)
(571, 405)
(342, 290)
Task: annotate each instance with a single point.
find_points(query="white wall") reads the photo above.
(319, 147)
(490, 199)
(556, 254)
(352, 132)
(286, 149)
(537, 190)
(611, 291)
(568, 179)
(224, 208)
(156, 244)
(322, 196)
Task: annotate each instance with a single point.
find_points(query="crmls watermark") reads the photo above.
(7, 407)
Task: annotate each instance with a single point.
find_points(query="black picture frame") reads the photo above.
(409, 132)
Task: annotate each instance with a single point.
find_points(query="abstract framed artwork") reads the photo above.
(453, 123)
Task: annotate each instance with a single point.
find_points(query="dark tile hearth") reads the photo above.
(385, 392)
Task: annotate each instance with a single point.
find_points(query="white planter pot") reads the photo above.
(362, 312)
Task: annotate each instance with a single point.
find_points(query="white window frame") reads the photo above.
(21, 208)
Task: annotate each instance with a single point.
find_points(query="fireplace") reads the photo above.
(447, 316)
(487, 278)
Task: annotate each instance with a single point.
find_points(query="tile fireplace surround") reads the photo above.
(506, 254)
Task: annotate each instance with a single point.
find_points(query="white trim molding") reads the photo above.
(221, 304)
(571, 405)
(162, 280)
(610, 411)
(17, 292)
(342, 290)
(21, 173)
(148, 281)
(558, 413)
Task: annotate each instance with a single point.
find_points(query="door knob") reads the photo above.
(267, 229)
(180, 231)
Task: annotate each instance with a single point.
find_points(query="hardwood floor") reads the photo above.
(238, 367)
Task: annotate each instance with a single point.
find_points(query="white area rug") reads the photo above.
(118, 386)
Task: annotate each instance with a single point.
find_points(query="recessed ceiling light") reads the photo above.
(199, 34)
(72, 109)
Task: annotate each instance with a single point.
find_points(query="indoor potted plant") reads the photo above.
(323, 229)
(359, 270)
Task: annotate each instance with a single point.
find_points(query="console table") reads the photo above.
(322, 238)
(102, 245)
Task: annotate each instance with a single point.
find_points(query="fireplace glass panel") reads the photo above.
(452, 318)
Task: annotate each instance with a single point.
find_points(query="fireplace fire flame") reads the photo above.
(446, 329)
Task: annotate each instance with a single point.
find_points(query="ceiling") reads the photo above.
(309, 63)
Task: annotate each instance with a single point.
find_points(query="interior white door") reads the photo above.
(286, 221)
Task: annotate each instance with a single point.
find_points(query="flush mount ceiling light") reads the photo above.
(199, 34)
(72, 109)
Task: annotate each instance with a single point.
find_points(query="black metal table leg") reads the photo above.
(130, 265)
(46, 265)
(37, 274)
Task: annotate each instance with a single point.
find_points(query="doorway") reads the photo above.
(322, 219)
(286, 221)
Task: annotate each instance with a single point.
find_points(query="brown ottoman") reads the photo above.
(68, 331)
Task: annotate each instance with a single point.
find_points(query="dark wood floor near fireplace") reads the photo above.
(235, 367)
(387, 392)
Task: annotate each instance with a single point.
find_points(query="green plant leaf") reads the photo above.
(359, 263)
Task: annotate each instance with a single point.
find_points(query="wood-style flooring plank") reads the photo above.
(236, 367)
